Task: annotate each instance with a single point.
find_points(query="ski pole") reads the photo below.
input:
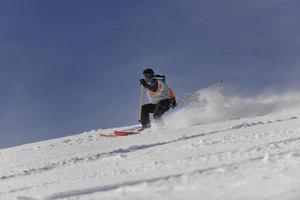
(214, 83)
(141, 101)
(190, 96)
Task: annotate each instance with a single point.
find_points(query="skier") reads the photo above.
(160, 95)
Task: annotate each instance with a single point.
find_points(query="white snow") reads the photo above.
(214, 147)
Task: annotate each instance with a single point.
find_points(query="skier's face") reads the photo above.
(148, 77)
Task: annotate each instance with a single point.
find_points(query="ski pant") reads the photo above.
(157, 109)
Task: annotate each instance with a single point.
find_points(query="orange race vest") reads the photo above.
(163, 92)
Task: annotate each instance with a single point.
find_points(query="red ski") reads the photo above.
(125, 133)
(120, 133)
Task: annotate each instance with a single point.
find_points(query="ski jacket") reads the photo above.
(158, 90)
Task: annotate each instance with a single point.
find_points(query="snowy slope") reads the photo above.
(242, 153)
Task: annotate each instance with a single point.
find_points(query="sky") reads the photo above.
(68, 66)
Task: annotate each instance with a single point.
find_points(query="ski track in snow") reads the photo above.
(133, 148)
(251, 154)
(153, 180)
(106, 188)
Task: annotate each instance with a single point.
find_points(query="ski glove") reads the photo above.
(143, 82)
(173, 103)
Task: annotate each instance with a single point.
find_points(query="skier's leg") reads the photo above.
(145, 119)
(160, 108)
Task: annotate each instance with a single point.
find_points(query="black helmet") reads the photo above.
(148, 71)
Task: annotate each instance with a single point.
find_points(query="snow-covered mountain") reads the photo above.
(216, 146)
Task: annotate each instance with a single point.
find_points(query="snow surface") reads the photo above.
(216, 146)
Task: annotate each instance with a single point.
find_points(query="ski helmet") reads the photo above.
(148, 71)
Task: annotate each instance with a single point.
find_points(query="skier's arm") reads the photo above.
(153, 86)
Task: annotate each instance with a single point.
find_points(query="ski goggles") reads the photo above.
(148, 75)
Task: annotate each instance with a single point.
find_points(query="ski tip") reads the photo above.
(107, 135)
